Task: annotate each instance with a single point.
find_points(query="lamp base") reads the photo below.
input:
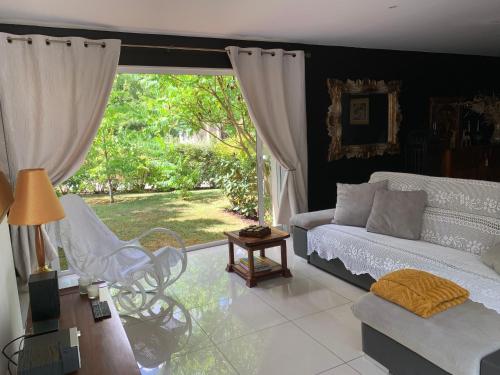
(42, 269)
(44, 296)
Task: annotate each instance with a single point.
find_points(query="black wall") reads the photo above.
(423, 75)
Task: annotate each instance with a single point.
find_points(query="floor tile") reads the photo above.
(300, 297)
(236, 317)
(276, 281)
(337, 329)
(204, 362)
(163, 332)
(213, 255)
(208, 287)
(283, 349)
(366, 366)
(249, 325)
(341, 370)
(301, 266)
(275, 254)
(339, 286)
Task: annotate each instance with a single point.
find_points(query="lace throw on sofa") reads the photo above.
(377, 254)
(462, 214)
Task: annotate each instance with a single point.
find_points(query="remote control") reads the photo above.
(105, 311)
(100, 310)
(96, 310)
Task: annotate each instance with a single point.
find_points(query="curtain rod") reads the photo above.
(48, 41)
(103, 45)
(217, 50)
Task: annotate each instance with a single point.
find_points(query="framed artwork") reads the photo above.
(363, 119)
(359, 111)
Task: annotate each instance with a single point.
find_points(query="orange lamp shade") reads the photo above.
(6, 197)
(35, 201)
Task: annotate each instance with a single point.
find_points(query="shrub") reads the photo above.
(189, 167)
(236, 176)
(216, 165)
(181, 167)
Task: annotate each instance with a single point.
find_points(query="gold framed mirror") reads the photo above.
(363, 119)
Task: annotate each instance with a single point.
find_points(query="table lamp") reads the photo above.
(6, 197)
(35, 203)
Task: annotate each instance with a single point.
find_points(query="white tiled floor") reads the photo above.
(216, 325)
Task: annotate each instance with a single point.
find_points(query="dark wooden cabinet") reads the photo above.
(457, 143)
(430, 156)
(475, 162)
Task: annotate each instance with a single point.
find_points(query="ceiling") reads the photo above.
(455, 26)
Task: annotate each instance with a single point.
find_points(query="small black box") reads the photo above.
(54, 353)
(44, 296)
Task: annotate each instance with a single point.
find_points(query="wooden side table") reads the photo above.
(251, 244)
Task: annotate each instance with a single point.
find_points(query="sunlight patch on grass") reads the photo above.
(199, 218)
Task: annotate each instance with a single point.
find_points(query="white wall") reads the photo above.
(10, 312)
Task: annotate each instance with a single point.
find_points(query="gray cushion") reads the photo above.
(354, 203)
(454, 340)
(309, 220)
(397, 213)
(492, 257)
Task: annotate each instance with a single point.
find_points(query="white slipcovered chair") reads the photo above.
(136, 276)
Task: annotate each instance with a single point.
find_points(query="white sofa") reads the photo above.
(461, 222)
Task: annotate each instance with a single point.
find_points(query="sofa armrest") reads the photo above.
(309, 220)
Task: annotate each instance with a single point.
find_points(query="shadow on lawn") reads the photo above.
(195, 226)
(128, 215)
(130, 198)
(207, 196)
(192, 231)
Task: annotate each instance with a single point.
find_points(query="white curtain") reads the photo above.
(273, 85)
(52, 99)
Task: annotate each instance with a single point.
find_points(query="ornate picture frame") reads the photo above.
(337, 89)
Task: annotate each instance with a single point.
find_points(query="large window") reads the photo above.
(176, 150)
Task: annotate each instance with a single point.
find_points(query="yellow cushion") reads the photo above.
(420, 292)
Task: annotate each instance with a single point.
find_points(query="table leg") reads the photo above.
(251, 272)
(284, 268)
(230, 265)
(263, 253)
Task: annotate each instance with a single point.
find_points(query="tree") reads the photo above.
(213, 104)
(145, 113)
(129, 144)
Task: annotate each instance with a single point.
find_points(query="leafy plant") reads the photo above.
(237, 178)
(137, 147)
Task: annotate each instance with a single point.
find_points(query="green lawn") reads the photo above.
(201, 217)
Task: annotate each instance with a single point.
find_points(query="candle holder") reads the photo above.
(93, 291)
(83, 284)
